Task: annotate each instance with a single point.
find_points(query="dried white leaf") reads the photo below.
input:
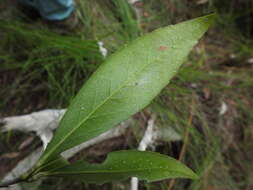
(42, 123)
(102, 49)
(223, 108)
(250, 61)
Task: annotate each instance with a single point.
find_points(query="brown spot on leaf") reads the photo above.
(163, 48)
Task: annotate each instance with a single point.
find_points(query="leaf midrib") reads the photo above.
(118, 171)
(86, 118)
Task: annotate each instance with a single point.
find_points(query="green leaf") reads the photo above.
(125, 84)
(120, 165)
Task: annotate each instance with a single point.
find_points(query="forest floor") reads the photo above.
(209, 101)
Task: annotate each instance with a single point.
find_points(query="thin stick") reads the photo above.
(146, 141)
(186, 139)
(11, 182)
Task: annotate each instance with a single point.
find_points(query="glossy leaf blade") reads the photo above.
(126, 83)
(149, 166)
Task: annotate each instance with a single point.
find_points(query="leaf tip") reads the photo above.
(209, 19)
(194, 176)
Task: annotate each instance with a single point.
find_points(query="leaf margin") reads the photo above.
(115, 156)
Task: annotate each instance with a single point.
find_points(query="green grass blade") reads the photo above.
(149, 166)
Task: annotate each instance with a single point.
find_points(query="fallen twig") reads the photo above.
(47, 124)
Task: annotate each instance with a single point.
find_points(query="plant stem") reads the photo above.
(11, 182)
(186, 139)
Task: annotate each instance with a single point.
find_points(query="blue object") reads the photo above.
(54, 10)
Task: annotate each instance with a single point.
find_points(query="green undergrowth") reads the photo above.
(41, 68)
